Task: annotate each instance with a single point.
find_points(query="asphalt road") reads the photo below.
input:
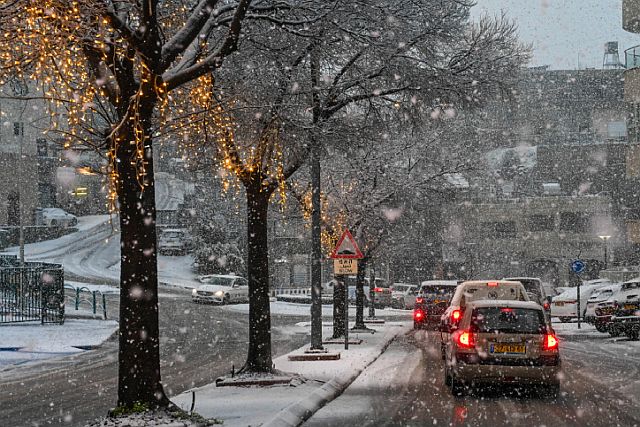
(198, 344)
(417, 395)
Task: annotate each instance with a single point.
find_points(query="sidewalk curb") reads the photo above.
(300, 411)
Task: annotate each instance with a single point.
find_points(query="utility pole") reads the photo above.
(316, 249)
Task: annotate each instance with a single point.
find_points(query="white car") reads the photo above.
(403, 295)
(598, 296)
(221, 289)
(56, 217)
(565, 305)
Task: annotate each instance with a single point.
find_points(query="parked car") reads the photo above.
(403, 295)
(56, 217)
(381, 291)
(476, 290)
(502, 342)
(221, 289)
(431, 301)
(626, 314)
(174, 241)
(565, 305)
(597, 297)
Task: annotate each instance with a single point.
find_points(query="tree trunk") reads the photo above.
(339, 307)
(259, 355)
(362, 267)
(139, 352)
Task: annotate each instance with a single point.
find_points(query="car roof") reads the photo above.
(634, 280)
(484, 282)
(517, 279)
(439, 283)
(504, 303)
(222, 276)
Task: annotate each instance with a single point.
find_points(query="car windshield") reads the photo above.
(507, 320)
(217, 280)
(400, 288)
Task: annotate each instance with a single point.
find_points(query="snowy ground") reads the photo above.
(319, 380)
(25, 342)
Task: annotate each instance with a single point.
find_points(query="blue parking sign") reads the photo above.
(578, 266)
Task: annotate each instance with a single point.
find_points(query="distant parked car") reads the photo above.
(565, 305)
(174, 241)
(403, 295)
(381, 291)
(599, 296)
(221, 289)
(626, 314)
(56, 217)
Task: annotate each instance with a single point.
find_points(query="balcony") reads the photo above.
(632, 57)
(632, 75)
(631, 16)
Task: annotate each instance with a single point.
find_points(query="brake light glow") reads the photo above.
(419, 300)
(506, 310)
(546, 306)
(465, 339)
(492, 284)
(456, 315)
(550, 342)
(418, 315)
(377, 289)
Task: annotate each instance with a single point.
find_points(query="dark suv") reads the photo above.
(432, 300)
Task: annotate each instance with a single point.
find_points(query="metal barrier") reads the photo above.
(95, 299)
(632, 57)
(33, 292)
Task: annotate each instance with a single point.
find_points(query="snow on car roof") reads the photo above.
(484, 282)
(222, 276)
(440, 283)
(504, 303)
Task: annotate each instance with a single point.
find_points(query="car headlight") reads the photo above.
(219, 294)
(194, 292)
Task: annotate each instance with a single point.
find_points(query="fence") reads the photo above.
(33, 292)
(95, 299)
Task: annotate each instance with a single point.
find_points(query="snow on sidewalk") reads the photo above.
(26, 342)
(289, 405)
(297, 309)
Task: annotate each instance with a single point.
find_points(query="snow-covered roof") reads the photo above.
(504, 303)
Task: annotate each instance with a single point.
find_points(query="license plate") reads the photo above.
(507, 349)
(630, 307)
(559, 304)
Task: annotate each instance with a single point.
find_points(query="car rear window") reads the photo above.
(439, 290)
(507, 320)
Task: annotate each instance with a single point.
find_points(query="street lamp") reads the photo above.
(604, 239)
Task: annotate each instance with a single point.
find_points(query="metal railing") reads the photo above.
(632, 57)
(33, 292)
(83, 295)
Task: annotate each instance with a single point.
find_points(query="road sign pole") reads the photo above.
(579, 282)
(578, 266)
(346, 314)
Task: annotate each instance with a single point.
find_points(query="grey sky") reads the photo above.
(564, 32)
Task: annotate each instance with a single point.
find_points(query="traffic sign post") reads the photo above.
(345, 262)
(578, 266)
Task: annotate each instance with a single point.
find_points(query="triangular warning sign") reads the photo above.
(346, 248)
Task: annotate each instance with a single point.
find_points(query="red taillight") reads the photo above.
(418, 315)
(492, 284)
(465, 339)
(546, 306)
(419, 300)
(550, 342)
(456, 315)
(506, 310)
(377, 289)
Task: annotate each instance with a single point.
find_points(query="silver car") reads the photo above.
(501, 341)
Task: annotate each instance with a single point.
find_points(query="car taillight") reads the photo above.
(418, 315)
(465, 339)
(455, 316)
(492, 284)
(550, 342)
(377, 289)
(546, 306)
(419, 300)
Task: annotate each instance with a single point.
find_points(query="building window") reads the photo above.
(573, 221)
(503, 229)
(541, 223)
(18, 128)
